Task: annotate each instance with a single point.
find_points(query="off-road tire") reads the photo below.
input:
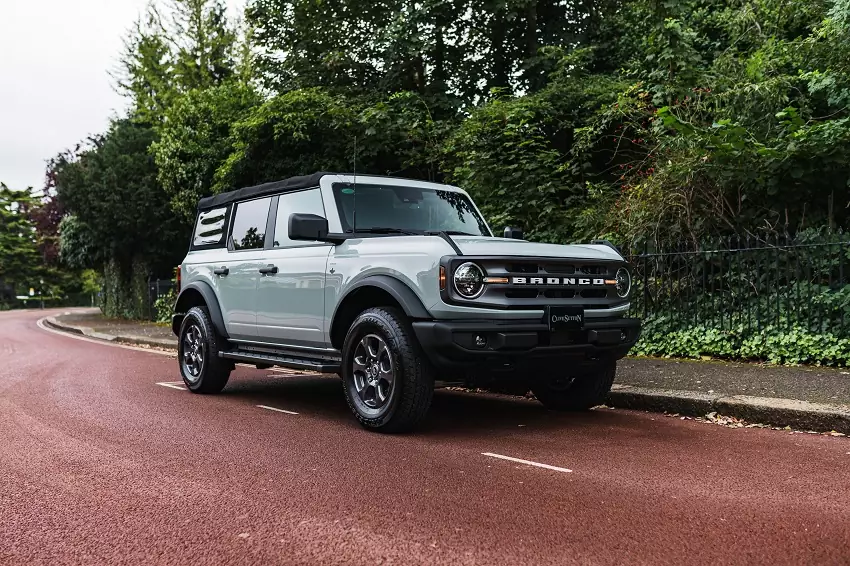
(585, 391)
(413, 387)
(214, 371)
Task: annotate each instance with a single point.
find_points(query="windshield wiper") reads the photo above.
(457, 233)
(387, 230)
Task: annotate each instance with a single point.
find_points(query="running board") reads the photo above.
(291, 362)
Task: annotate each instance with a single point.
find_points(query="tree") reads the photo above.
(193, 47)
(462, 48)
(120, 216)
(146, 73)
(19, 255)
(196, 139)
(203, 43)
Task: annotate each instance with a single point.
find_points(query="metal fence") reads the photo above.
(158, 288)
(745, 286)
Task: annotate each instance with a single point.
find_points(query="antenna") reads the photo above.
(354, 212)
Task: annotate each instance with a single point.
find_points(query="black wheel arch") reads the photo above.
(373, 291)
(196, 294)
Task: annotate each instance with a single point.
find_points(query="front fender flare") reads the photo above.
(398, 290)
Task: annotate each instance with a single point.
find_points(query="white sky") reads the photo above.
(54, 84)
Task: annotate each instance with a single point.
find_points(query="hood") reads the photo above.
(484, 246)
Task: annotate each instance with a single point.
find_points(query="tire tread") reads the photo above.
(416, 375)
(217, 370)
(583, 394)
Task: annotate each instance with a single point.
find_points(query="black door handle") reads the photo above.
(268, 269)
(221, 271)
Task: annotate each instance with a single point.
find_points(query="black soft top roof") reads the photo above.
(291, 184)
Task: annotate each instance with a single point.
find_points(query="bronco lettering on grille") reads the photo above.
(559, 281)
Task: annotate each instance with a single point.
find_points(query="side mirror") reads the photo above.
(513, 233)
(312, 228)
(309, 227)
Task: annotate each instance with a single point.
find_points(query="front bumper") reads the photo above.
(510, 344)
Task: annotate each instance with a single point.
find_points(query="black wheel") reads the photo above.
(576, 393)
(388, 383)
(197, 351)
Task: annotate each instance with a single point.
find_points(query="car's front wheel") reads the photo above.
(576, 392)
(203, 371)
(388, 383)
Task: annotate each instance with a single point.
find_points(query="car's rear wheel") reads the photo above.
(203, 371)
(388, 383)
(576, 392)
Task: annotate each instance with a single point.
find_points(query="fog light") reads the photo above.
(480, 340)
(623, 336)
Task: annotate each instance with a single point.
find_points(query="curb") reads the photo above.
(801, 415)
(126, 339)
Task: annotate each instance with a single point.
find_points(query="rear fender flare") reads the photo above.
(208, 295)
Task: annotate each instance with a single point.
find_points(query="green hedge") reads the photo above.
(774, 344)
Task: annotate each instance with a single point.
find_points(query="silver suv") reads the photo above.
(396, 286)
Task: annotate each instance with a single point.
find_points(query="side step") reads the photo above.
(287, 361)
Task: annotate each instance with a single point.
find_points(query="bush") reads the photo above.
(164, 305)
(774, 344)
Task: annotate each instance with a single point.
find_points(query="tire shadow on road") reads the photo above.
(452, 412)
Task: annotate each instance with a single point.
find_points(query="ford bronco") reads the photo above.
(396, 286)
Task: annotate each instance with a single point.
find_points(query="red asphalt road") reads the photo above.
(99, 465)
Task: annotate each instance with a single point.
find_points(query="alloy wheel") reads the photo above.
(374, 375)
(193, 353)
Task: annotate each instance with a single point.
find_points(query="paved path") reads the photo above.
(102, 465)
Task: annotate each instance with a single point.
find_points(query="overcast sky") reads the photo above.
(54, 84)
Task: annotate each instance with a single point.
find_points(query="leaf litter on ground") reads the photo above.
(734, 422)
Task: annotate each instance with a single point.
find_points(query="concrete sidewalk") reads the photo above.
(91, 323)
(806, 398)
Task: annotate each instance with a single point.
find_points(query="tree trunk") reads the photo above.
(438, 79)
(499, 76)
(535, 81)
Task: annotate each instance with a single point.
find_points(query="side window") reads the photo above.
(304, 202)
(249, 224)
(210, 227)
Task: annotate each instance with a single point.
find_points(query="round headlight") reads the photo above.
(624, 282)
(469, 280)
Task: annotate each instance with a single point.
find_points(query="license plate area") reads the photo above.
(565, 318)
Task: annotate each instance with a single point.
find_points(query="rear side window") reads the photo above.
(210, 228)
(301, 202)
(249, 224)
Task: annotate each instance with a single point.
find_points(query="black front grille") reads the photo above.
(561, 269)
(521, 293)
(559, 293)
(523, 268)
(535, 283)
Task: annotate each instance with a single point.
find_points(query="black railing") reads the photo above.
(745, 286)
(158, 288)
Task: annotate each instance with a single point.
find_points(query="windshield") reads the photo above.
(391, 208)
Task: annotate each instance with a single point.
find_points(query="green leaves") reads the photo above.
(19, 258)
(196, 139)
(119, 210)
(776, 345)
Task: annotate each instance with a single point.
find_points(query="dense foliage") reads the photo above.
(648, 122)
(29, 259)
(786, 300)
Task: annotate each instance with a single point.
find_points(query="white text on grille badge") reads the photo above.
(572, 281)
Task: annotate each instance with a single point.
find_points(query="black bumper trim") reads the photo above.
(457, 344)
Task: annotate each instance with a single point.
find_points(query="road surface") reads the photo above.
(103, 464)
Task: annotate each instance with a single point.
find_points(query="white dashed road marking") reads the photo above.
(526, 462)
(173, 384)
(278, 410)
